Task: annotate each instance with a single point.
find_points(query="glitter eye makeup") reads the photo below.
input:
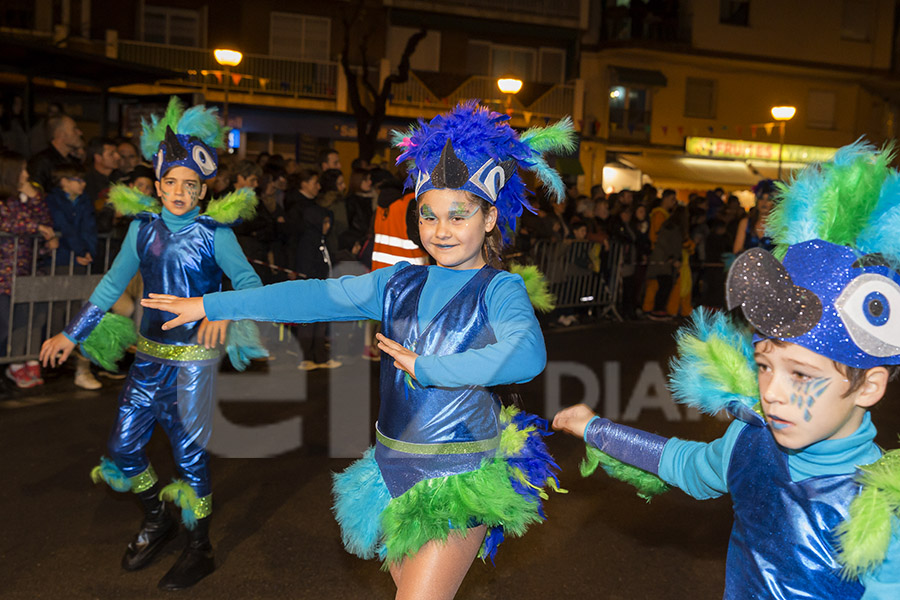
(461, 211)
(425, 212)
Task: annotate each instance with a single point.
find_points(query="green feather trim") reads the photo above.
(239, 204)
(110, 473)
(129, 201)
(536, 286)
(183, 496)
(558, 138)
(647, 484)
(433, 508)
(863, 539)
(108, 341)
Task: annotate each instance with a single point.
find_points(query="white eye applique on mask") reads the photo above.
(870, 308)
(204, 160)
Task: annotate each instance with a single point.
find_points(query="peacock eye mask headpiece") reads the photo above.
(837, 290)
(473, 149)
(183, 138)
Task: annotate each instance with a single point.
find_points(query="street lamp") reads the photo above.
(227, 58)
(509, 86)
(782, 114)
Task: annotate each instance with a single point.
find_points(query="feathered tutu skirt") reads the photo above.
(505, 494)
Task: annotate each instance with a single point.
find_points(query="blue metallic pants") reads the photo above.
(178, 396)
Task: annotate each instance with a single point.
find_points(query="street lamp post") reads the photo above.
(782, 114)
(509, 86)
(227, 58)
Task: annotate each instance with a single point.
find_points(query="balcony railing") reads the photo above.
(556, 103)
(257, 73)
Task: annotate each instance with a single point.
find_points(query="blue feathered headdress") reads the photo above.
(837, 289)
(183, 138)
(473, 149)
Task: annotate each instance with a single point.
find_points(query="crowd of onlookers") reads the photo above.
(674, 254)
(313, 221)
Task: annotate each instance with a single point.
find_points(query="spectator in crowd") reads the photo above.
(329, 158)
(13, 134)
(73, 217)
(658, 215)
(262, 158)
(256, 235)
(72, 213)
(598, 224)
(103, 162)
(713, 274)
(331, 197)
(142, 178)
(751, 229)
(290, 166)
(302, 192)
(665, 261)
(623, 233)
(361, 164)
(360, 203)
(246, 174)
(129, 157)
(39, 136)
(220, 184)
(22, 213)
(64, 137)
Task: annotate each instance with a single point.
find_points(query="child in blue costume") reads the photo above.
(451, 470)
(815, 499)
(178, 251)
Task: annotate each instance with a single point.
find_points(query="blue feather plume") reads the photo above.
(110, 472)
(360, 496)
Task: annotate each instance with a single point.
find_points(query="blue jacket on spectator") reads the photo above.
(75, 221)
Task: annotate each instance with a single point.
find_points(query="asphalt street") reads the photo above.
(281, 433)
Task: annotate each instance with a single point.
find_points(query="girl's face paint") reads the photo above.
(453, 229)
(802, 396)
(180, 189)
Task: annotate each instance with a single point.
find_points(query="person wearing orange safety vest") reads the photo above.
(396, 228)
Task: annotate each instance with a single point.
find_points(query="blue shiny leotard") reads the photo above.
(464, 418)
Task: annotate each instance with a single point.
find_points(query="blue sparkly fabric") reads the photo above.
(633, 446)
(412, 413)
(81, 326)
(781, 543)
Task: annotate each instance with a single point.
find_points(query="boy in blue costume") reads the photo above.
(178, 251)
(815, 499)
(451, 470)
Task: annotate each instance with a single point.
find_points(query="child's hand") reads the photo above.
(56, 350)
(211, 333)
(84, 260)
(187, 309)
(574, 420)
(404, 359)
(46, 231)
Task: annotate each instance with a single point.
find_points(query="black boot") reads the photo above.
(195, 563)
(157, 529)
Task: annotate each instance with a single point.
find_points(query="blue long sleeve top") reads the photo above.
(74, 219)
(228, 256)
(701, 470)
(518, 356)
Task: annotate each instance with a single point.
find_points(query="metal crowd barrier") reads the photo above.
(582, 274)
(47, 288)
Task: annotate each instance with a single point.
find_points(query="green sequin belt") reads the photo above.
(194, 352)
(439, 448)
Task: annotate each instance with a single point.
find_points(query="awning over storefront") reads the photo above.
(696, 173)
(628, 75)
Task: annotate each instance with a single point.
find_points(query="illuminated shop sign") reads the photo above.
(752, 150)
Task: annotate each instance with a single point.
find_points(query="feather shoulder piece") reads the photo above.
(230, 208)
(536, 286)
(128, 201)
(715, 369)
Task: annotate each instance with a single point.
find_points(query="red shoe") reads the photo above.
(19, 375)
(33, 368)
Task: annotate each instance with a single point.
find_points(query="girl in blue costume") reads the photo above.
(815, 500)
(451, 471)
(178, 251)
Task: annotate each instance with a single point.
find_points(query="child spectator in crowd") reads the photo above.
(23, 213)
(814, 497)
(72, 212)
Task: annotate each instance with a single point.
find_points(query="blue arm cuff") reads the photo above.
(633, 446)
(84, 322)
